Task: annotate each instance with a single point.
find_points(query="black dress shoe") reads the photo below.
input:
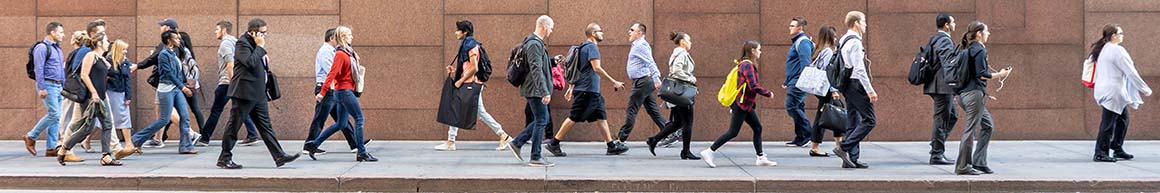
(818, 154)
(940, 160)
(846, 163)
(861, 165)
(286, 159)
(972, 172)
(1123, 155)
(1103, 158)
(985, 170)
(366, 157)
(652, 146)
(229, 165)
(688, 155)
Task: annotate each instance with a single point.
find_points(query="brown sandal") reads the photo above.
(107, 160)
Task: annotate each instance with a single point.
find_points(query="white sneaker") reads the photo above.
(446, 146)
(707, 155)
(503, 142)
(763, 161)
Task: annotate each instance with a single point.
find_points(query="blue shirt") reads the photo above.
(590, 80)
(797, 59)
(322, 62)
(50, 68)
(640, 61)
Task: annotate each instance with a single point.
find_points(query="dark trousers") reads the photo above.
(642, 94)
(350, 109)
(945, 117)
(682, 119)
(220, 98)
(1113, 128)
(530, 117)
(739, 116)
(818, 132)
(534, 131)
(795, 104)
(194, 108)
(861, 119)
(979, 122)
(258, 111)
(83, 130)
(329, 106)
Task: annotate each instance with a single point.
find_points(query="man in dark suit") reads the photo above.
(248, 91)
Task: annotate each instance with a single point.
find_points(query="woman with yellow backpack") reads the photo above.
(739, 93)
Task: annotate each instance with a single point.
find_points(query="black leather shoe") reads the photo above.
(985, 170)
(652, 146)
(861, 165)
(286, 159)
(687, 155)
(818, 154)
(846, 163)
(940, 160)
(1103, 158)
(971, 172)
(367, 157)
(229, 165)
(1123, 155)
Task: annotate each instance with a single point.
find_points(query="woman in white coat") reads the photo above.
(1117, 86)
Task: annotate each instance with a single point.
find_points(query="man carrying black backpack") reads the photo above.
(48, 71)
(942, 49)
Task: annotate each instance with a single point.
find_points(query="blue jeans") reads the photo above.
(795, 104)
(535, 130)
(328, 106)
(350, 108)
(168, 100)
(220, 98)
(51, 120)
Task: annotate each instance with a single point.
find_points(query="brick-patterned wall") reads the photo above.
(405, 43)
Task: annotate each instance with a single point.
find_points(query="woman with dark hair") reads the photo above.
(680, 69)
(1117, 86)
(827, 36)
(972, 98)
(94, 69)
(463, 72)
(169, 95)
(744, 109)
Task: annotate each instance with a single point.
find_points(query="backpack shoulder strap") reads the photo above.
(847, 39)
(798, 42)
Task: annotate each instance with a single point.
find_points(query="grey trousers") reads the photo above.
(978, 122)
(944, 121)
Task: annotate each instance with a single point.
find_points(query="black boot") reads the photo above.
(687, 155)
(652, 146)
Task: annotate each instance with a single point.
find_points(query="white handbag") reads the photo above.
(813, 81)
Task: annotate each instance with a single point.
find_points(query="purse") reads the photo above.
(677, 92)
(272, 91)
(832, 116)
(813, 81)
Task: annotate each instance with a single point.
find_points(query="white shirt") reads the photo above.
(854, 55)
(1118, 84)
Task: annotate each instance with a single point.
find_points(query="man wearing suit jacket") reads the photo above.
(248, 91)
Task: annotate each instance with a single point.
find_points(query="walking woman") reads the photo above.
(827, 37)
(681, 69)
(169, 95)
(1118, 86)
(342, 78)
(972, 98)
(94, 69)
(744, 109)
(120, 93)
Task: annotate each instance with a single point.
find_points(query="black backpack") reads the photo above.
(518, 64)
(484, 66)
(31, 66)
(957, 71)
(572, 64)
(923, 69)
(837, 73)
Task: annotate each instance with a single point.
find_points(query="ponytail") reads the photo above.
(969, 36)
(1108, 32)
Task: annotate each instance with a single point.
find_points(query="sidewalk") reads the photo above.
(410, 166)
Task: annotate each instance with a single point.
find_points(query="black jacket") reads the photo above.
(249, 80)
(944, 48)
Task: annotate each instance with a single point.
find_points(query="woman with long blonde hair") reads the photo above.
(119, 93)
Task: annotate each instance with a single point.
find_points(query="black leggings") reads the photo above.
(749, 117)
(682, 119)
(816, 137)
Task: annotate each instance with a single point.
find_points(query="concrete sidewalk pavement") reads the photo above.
(410, 166)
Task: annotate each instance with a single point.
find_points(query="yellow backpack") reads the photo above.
(730, 91)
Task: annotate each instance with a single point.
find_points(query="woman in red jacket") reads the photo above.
(342, 80)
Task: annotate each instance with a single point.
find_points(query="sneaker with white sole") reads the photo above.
(763, 161)
(446, 146)
(707, 155)
(541, 163)
(503, 142)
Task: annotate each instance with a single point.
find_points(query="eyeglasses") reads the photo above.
(793, 26)
(599, 31)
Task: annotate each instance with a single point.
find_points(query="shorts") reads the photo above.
(587, 107)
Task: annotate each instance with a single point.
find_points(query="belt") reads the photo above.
(53, 81)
